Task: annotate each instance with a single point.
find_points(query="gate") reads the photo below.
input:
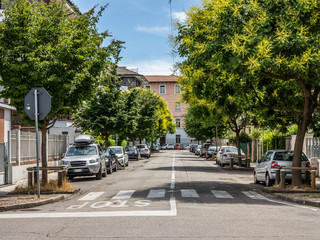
(313, 147)
(3, 157)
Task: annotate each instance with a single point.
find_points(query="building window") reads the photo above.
(177, 89)
(177, 107)
(162, 89)
(148, 87)
(178, 122)
(178, 140)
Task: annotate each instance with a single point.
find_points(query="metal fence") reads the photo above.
(313, 147)
(23, 146)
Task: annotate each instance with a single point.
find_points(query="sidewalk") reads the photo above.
(11, 201)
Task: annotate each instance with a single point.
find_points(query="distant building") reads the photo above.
(130, 78)
(170, 90)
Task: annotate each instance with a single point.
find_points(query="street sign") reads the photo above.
(44, 103)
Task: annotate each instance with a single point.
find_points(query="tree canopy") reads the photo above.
(267, 49)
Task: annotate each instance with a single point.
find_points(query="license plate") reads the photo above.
(77, 170)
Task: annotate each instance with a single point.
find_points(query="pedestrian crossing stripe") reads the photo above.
(161, 193)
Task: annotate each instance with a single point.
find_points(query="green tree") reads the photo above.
(41, 46)
(270, 47)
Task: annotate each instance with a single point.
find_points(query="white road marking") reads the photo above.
(124, 194)
(157, 193)
(254, 195)
(163, 213)
(221, 194)
(189, 193)
(173, 174)
(91, 196)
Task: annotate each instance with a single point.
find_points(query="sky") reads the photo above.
(144, 26)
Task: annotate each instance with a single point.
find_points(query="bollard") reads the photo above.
(248, 162)
(282, 178)
(231, 162)
(308, 180)
(60, 178)
(313, 179)
(277, 182)
(30, 179)
(35, 177)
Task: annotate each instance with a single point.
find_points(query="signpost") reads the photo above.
(37, 104)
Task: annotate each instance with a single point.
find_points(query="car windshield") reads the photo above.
(231, 150)
(106, 151)
(212, 148)
(141, 146)
(81, 150)
(130, 148)
(116, 150)
(287, 156)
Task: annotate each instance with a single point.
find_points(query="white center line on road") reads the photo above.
(173, 174)
(124, 194)
(91, 196)
(221, 194)
(156, 193)
(189, 193)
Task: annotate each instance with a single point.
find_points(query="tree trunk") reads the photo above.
(106, 143)
(44, 149)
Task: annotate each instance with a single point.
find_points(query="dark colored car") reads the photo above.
(193, 147)
(111, 161)
(204, 149)
(214, 150)
(133, 152)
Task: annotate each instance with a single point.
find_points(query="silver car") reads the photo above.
(225, 153)
(85, 158)
(121, 155)
(144, 150)
(265, 170)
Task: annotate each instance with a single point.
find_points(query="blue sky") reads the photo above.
(144, 26)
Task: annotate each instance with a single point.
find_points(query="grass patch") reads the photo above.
(51, 186)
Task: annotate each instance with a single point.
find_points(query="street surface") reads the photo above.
(172, 195)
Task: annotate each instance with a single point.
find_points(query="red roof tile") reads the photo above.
(162, 78)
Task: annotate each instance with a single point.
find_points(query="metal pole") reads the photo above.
(37, 139)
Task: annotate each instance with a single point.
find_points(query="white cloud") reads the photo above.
(179, 16)
(154, 30)
(153, 67)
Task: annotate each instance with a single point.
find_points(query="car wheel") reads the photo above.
(71, 177)
(104, 174)
(268, 181)
(115, 168)
(110, 169)
(255, 178)
(127, 164)
(99, 174)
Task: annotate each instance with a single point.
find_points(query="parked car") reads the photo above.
(225, 153)
(203, 150)
(265, 170)
(178, 147)
(122, 156)
(197, 151)
(164, 147)
(144, 150)
(212, 150)
(111, 161)
(85, 158)
(133, 152)
(193, 147)
(170, 146)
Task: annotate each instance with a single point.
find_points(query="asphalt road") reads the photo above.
(172, 195)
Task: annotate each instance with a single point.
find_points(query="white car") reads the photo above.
(122, 156)
(170, 146)
(144, 150)
(225, 153)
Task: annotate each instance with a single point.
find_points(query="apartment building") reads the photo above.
(170, 90)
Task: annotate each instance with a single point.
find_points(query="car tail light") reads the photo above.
(308, 164)
(225, 155)
(135, 152)
(146, 149)
(274, 164)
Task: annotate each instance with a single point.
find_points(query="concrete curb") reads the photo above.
(46, 193)
(297, 200)
(288, 191)
(33, 204)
